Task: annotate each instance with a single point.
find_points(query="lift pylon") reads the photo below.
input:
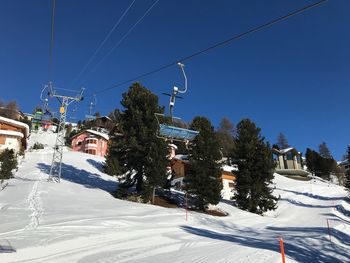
(65, 101)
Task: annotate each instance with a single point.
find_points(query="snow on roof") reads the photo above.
(16, 123)
(182, 157)
(286, 150)
(172, 146)
(343, 162)
(103, 135)
(228, 168)
(13, 133)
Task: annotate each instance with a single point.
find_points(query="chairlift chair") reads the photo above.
(169, 126)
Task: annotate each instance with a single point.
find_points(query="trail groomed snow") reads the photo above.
(78, 220)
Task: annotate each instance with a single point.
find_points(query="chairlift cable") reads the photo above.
(51, 40)
(219, 44)
(125, 35)
(103, 42)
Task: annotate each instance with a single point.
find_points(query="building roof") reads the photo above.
(16, 124)
(12, 133)
(103, 135)
(286, 150)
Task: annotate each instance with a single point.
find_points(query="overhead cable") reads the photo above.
(103, 42)
(125, 35)
(216, 45)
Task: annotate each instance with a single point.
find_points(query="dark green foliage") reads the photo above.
(204, 176)
(256, 167)
(38, 146)
(138, 149)
(320, 165)
(310, 157)
(27, 121)
(347, 175)
(225, 135)
(8, 163)
(282, 141)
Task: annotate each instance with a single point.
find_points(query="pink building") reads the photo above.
(90, 141)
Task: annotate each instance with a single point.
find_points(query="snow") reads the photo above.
(13, 133)
(103, 135)
(78, 220)
(16, 123)
(228, 168)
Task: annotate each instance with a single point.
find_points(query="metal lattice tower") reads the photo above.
(56, 165)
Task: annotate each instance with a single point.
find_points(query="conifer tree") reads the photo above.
(204, 176)
(310, 157)
(138, 153)
(8, 163)
(347, 176)
(255, 169)
(324, 151)
(282, 141)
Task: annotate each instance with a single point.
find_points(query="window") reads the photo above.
(290, 156)
(231, 185)
(2, 139)
(92, 141)
(79, 143)
(91, 151)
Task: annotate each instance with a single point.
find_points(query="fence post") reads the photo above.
(186, 207)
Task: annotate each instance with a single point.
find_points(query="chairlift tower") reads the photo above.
(65, 101)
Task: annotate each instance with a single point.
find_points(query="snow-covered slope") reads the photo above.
(78, 220)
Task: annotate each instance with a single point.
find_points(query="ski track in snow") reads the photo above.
(77, 220)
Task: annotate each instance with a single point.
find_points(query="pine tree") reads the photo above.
(204, 176)
(324, 151)
(255, 169)
(310, 156)
(327, 163)
(138, 153)
(282, 141)
(8, 163)
(225, 135)
(347, 176)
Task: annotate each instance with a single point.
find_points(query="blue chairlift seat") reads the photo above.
(177, 133)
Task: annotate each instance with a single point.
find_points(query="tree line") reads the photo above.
(140, 156)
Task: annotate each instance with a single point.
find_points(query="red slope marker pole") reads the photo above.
(329, 231)
(282, 250)
(186, 207)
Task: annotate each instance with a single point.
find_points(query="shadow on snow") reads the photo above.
(319, 197)
(83, 177)
(96, 164)
(299, 242)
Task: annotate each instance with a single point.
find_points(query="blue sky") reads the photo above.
(292, 77)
